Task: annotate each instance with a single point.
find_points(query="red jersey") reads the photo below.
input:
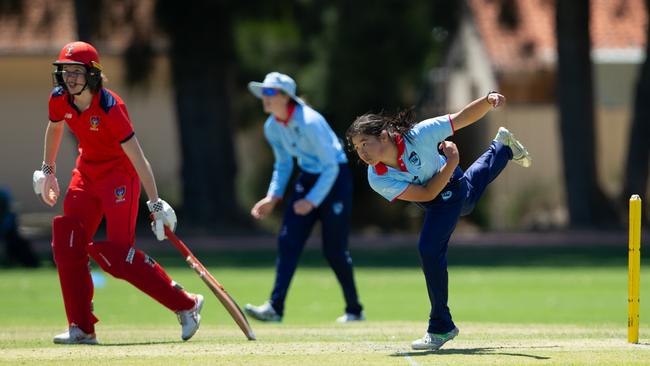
(100, 130)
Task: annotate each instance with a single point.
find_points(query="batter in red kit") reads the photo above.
(105, 184)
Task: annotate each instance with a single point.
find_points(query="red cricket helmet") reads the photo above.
(78, 53)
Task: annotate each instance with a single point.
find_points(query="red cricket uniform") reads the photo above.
(104, 185)
(104, 182)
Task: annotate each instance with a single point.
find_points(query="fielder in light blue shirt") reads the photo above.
(411, 161)
(307, 137)
(322, 191)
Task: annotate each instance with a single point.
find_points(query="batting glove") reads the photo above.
(163, 215)
(45, 184)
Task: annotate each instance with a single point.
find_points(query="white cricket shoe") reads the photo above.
(264, 312)
(190, 319)
(519, 153)
(433, 342)
(74, 335)
(349, 317)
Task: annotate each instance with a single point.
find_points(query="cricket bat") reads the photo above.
(217, 289)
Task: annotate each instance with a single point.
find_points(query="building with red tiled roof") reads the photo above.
(510, 46)
(518, 40)
(617, 30)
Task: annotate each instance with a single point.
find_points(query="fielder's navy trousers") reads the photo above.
(334, 215)
(458, 198)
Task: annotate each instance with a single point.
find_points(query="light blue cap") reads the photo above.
(278, 81)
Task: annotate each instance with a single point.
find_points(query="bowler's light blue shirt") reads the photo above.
(419, 160)
(308, 137)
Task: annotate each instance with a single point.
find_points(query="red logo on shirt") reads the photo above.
(120, 192)
(94, 123)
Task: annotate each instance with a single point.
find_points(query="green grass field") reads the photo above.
(513, 306)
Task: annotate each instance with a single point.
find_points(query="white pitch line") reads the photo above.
(411, 361)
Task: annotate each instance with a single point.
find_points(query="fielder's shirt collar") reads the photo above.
(381, 168)
(290, 109)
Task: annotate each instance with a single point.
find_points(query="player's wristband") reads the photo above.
(48, 169)
(155, 206)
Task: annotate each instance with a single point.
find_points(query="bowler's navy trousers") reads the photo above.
(458, 198)
(334, 215)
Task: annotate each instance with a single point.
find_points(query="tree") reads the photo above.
(377, 57)
(88, 17)
(636, 165)
(201, 55)
(588, 206)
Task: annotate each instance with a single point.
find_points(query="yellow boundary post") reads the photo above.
(634, 263)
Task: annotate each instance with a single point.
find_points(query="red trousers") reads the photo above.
(114, 198)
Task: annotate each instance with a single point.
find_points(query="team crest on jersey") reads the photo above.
(120, 193)
(68, 115)
(446, 195)
(337, 207)
(94, 123)
(414, 159)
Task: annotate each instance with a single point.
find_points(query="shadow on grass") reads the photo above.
(408, 257)
(472, 351)
(147, 343)
(641, 345)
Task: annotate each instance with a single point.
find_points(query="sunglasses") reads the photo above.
(270, 92)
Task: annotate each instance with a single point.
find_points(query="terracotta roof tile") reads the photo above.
(615, 25)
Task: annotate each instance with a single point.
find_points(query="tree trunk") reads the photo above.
(201, 50)
(88, 16)
(587, 204)
(636, 167)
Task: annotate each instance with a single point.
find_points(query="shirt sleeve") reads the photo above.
(55, 109)
(120, 125)
(387, 187)
(434, 130)
(326, 154)
(282, 167)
